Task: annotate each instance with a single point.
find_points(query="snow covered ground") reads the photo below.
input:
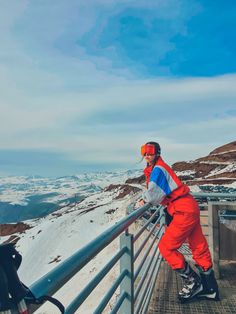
(55, 237)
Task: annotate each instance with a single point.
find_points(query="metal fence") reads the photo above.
(139, 265)
(139, 260)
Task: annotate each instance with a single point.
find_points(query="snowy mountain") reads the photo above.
(217, 168)
(24, 198)
(44, 242)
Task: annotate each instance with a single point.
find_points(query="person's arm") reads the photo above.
(157, 188)
(140, 203)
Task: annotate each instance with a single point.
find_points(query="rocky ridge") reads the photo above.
(217, 168)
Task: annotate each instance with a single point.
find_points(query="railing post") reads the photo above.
(126, 264)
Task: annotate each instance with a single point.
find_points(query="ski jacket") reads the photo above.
(165, 188)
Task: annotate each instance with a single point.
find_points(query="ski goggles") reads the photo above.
(148, 149)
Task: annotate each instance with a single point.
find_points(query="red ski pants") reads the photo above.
(185, 227)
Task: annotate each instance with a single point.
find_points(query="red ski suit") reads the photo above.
(164, 187)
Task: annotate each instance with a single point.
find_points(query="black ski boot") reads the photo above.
(210, 287)
(192, 284)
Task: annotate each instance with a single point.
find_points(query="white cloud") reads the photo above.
(49, 99)
(53, 114)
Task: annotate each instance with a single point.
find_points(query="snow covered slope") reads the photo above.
(55, 237)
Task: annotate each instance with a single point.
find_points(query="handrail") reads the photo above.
(214, 195)
(67, 269)
(56, 278)
(94, 282)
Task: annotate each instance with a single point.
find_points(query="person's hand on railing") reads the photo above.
(139, 203)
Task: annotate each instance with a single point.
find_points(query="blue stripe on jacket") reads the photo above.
(158, 176)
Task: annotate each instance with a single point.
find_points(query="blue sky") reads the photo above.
(84, 83)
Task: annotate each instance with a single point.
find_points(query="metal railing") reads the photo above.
(139, 263)
(214, 196)
(139, 266)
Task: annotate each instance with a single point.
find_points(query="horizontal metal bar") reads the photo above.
(227, 215)
(56, 278)
(73, 306)
(110, 293)
(213, 195)
(139, 286)
(146, 254)
(119, 302)
(145, 240)
(138, 234)
(156, 263)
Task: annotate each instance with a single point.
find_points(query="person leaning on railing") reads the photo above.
(164, 187)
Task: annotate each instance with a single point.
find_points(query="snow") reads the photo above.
(16, 190)
(229, 168)
(195, 189)
(59, 235)
(209, 162)
(231, 185)
(225, 152)
(185, 172)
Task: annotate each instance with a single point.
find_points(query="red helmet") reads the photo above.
(151, 148)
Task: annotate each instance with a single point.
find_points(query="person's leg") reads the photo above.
(178, 231)
(202, 258)
(175, 235)
(199, 247)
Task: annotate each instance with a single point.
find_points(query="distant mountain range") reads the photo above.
(23, 198)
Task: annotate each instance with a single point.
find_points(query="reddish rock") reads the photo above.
(112, 187)
(210, 169)
(138, 180)
(8, 229)
(124, 189)
(225, 148)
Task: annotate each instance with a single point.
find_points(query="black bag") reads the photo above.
(10, 283)
(12, 290)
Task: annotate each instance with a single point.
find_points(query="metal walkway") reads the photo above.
(168, 284)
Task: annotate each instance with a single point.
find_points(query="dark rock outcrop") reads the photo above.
(8, 229)
(123, 189)
(138, 180)
(219, 167)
